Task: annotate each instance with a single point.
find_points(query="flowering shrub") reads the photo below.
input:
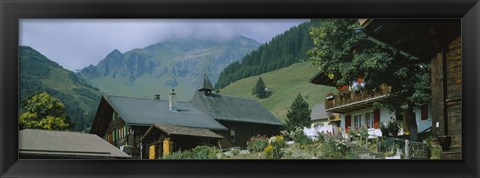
(274, 149)
(257, 144)
(335, 148)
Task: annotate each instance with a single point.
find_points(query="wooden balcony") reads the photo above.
(352, 101)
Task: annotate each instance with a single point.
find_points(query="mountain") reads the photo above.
(39, 74)
(283, 50)
(173, 64)
(285, 84)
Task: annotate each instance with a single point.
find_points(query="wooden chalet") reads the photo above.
(209, 119)
(438, 42)
(357, 109)
(47, 144)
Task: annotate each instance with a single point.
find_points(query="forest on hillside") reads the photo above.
(283, 50)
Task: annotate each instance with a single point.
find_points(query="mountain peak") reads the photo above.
(115, 53)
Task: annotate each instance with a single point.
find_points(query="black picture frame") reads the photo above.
(11, 11)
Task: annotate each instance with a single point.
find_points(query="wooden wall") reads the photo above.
(454, 91)
(244, 131)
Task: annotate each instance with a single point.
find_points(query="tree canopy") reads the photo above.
(42, 111)
(344, 56)
(298, 114)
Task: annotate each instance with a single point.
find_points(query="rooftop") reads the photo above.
(140, 111)
(65, 144)
(234, 109)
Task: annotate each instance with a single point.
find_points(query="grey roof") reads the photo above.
(206, 85)
(318, 112)
(234, 109)
(63, 143)
(177, 130)
(138, 111)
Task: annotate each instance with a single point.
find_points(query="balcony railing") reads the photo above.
(346, 101)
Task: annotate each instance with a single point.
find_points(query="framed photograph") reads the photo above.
(236, 89)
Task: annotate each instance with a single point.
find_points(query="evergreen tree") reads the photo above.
(298, 114)
(42, 111)
(259, 89)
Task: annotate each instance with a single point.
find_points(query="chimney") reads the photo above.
(172, 104)
(157, 97)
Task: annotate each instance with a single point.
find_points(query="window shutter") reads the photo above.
(348, 122)
(424, 112)
(376, 118)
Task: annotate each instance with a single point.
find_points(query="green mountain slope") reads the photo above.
(39, 74)
(283, 50)
(285, 83)
(156, 69)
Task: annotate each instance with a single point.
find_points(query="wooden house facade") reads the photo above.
(438, 42)
(217, 120)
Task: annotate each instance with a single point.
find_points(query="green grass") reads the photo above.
(285, 83)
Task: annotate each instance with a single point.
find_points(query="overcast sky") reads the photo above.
(75, 44)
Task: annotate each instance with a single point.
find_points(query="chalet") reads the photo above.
(47, 144)
(168, 125)
(438, 42)
(357, 109)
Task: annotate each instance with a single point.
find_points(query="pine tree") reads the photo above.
(259, 89)
(298, 114)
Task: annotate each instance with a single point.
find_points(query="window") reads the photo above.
(232, 134)
(369, 116)
(357, 121)
(115, 116)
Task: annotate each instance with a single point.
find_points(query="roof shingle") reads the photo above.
(234, 109)
(149, 111)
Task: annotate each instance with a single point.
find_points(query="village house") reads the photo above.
(153, 128)
(48, 144)
(357, 109)
(438, 42)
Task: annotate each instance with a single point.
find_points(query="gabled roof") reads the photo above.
(318, 112)
(234, 109)
(138, 111)
(65, 144)
(321, 79)
(206, 85)
(177, 130)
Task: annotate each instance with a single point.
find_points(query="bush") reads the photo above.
(302, 139)
(335, 148)
(199, 152)
(390, 128)
(274, 149)
(257, 144)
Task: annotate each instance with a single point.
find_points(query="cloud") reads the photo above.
(77, 43)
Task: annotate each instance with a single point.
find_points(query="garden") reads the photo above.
(296, 145)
